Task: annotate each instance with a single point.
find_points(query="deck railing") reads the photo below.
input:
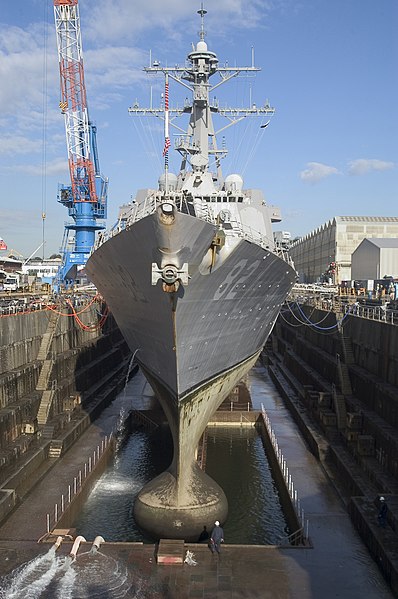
(204, 212)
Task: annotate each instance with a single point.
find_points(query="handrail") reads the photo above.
(295, 538)
(287, 477)
(151, 203)
(377, 313)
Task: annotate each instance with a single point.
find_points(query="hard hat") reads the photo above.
(381, 498)
(217, 523)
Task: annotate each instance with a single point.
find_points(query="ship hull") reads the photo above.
(193, 344)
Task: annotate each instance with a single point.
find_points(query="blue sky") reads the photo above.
(329, 69)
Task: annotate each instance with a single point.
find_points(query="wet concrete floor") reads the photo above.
(337, 565)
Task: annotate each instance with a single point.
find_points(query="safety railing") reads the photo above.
(153, 200)
(379, 313)
(234, 406)
(301, 535)
(76, 486)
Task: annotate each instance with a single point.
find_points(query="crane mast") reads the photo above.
(86, 196)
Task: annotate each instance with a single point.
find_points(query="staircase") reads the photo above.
(344, 376)
(43, 382)
(340, 409)
(45, 405)
(44, 377)
(347, 350)
(47, 432)
(55, 449)
(48, 336)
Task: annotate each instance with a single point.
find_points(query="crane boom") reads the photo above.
(86, 196)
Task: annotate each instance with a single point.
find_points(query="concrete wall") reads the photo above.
(21, 335)
(374, 343)
(83, 362)
(375, 347)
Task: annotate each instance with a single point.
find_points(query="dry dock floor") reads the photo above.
(337, 565)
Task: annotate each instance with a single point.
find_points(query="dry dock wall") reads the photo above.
(367, 349)
(340, 383)
(81, 360)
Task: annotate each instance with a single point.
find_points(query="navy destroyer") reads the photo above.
(195, 283)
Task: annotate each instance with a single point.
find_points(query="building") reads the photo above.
(325, 253)
(42, 270)
(10, 264)
(375, 259)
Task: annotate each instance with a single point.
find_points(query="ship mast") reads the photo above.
(198, 144)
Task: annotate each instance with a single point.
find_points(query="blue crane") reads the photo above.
(86, 196)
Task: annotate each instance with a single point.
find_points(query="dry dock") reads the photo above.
(336, 566)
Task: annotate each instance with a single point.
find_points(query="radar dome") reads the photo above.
(233, 183)
(201, 46)
(171, 180)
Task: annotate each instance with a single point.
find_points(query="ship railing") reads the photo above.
(201, 210)
(238, 229)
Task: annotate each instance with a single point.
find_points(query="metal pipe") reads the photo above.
(76, 545)
(97, 542)
(58, 543)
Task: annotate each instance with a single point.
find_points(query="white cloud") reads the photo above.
(316, 171)
(110, 22)
(11, 145)
(23, 64)
(361, 166)
(109, 69)
(57, 167)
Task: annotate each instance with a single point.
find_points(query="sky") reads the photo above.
(330, 69)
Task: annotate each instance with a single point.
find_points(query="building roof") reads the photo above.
(382, 242)
(367, 219)
(345, 219)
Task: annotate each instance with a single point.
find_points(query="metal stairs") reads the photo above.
(44, 377)
(45, 405)
(43, 382)
(348, 352)
(48, 336)
(55, 449)
(340, 409)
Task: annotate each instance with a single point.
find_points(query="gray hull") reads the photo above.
(218, 320)
(193, 344)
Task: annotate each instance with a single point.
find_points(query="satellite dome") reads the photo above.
(233, 183)
(201, 46)
(171, 180)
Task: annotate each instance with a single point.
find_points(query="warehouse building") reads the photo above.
(325, 254)
(375, 259)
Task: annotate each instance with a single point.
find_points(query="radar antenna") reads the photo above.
(202, 12)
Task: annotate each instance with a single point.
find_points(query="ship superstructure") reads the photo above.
(195, 283)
